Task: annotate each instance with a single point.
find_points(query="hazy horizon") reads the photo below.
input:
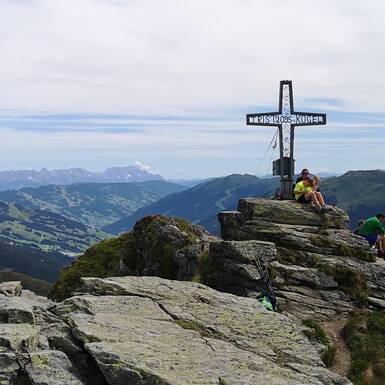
(99, 83)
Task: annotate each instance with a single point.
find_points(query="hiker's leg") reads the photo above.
(381, 243)
(320, 198)
(310, 196)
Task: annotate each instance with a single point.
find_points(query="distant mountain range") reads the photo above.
(92, 204)
(33, 178)
(200, 204)
(360, 193)
(69, 218)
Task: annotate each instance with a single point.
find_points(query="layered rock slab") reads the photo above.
(320, 269)
(146, 330)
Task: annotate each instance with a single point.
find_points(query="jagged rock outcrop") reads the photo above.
(157, 246)
(148, 330)
(320, 269)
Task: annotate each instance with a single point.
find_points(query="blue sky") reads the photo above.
(97, 83)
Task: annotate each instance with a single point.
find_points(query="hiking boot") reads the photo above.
(325, 209)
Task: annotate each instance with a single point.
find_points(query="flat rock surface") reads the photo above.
(291, 212)
(146, 330)
(51, 367)
(11, 288)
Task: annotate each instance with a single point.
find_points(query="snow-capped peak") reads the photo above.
(141, 166)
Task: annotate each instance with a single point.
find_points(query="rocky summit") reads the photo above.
(320, 269)
(130, 312)
(149, 330)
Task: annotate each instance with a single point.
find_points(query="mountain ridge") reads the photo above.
(200, 204)
(16, 179)
(92, 204)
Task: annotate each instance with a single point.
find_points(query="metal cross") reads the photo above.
(286, 119)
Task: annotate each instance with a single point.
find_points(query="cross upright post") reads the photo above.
(286, 119)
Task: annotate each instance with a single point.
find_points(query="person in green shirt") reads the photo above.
(304, 192)
(373, 231)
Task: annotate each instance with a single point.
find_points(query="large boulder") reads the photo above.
(148, 330)
(10, 288)
(158, 245)
(320, 269)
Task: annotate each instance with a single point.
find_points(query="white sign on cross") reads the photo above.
(286, 119)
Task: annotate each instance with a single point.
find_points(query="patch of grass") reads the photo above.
(350, 281)
(329, 356)
(206, 266)
(325, 221)
(296, 257)
(321, 241)
(152, 244)
(101, 260)
(168, 267)
(347, 251)
(365, 335)
(317, 334)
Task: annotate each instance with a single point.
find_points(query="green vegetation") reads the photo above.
(206, 266)
(32, 261)
(38, 286)
(149, 246)
(365, 335)
(45, 230)
(317, 334)
(329, 355)
(347, 251)
(297, 257)
(101, 260)
(350, 281)
(360, 193)
(92, 204)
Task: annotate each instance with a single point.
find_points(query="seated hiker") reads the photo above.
(373, 231)
(316, 180)
(304, 193)
(360, 223)
(304, 175)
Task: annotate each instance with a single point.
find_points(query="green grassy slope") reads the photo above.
(150, 243)
(95, 204)
(360, 193)
(365, 336)
(45, 230)
(201, 203)
(31, 261)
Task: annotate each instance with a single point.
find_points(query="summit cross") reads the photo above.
(286, 119)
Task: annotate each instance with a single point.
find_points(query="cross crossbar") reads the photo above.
(286, 119)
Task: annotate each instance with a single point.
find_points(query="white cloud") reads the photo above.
(183, 57)
(158, 55)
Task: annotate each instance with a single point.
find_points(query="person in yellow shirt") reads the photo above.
(304, 193)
